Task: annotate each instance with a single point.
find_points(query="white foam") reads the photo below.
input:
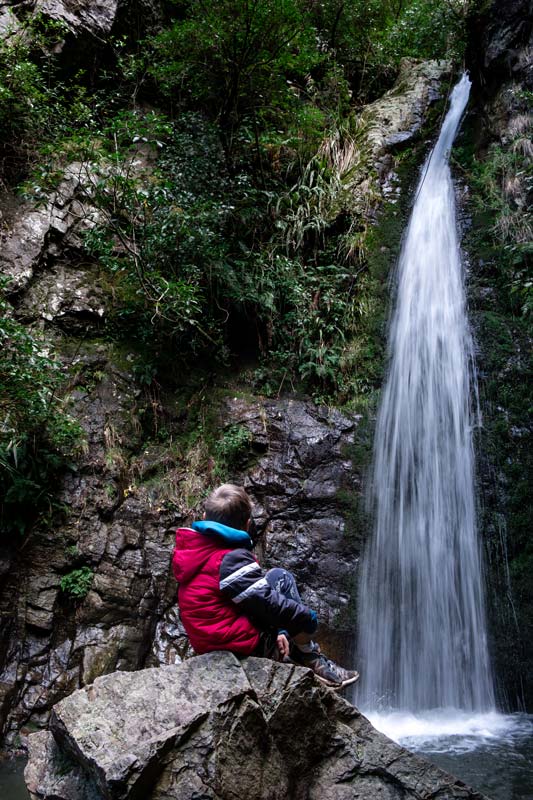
(449, 729)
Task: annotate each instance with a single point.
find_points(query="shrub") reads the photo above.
(37, 437)
(231, 449)
(197, 245)
(503, 180)
(35, 105)
(77, 583)
(425, 29)
(233, 58)
(176, 245)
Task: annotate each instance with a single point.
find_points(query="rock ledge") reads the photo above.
(216, 728)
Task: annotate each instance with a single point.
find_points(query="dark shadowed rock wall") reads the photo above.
(500, 125)
(118, 525)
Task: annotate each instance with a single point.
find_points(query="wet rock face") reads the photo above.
(52, 641)
(498, 42)
(397, 117)
(120, 528)
(300, 487)
(394, 120)
(218, 728)
(95, 17)
(500, 57)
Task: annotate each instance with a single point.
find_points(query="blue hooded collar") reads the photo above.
(232, 536)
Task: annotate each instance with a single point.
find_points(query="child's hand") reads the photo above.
(283, 645)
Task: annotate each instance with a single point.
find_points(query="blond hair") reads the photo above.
(230, 505)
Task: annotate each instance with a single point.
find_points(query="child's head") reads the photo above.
(230, 505)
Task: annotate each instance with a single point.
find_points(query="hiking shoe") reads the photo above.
(327, 672)
(332, 674)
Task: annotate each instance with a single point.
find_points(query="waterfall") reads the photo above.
(422, 640)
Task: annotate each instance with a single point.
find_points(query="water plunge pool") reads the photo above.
(491, 752)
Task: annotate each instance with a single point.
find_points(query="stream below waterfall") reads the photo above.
(492, 752)
(12, 786)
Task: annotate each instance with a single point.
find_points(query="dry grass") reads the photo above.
(341, 153)
(513, 188)
(523, 147)
(514, 226)
(525, 58)
(325, 189)
(520, 124)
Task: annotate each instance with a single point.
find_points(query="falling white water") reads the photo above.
(422, 642)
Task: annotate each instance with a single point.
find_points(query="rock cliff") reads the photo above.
(129, 490)
(215, 728)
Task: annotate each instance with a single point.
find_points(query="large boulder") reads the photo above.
(95, 17)
(216, 728)
(396, 117)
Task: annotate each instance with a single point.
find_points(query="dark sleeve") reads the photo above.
(242, 581)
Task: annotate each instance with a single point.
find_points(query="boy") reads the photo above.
(227, 602)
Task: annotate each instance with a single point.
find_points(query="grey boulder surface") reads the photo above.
(95, 17)
(216, 728)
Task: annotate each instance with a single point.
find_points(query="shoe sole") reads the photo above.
(337, 686)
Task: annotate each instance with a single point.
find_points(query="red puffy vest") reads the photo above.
(211, 621)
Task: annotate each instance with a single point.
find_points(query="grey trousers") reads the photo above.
(283, 582)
